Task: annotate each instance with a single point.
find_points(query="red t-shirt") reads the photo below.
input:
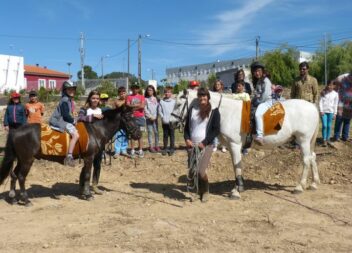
(136, 99)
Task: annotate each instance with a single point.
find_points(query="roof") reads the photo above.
(36, 70)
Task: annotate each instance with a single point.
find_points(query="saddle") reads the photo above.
(55, 143)
(273, 119)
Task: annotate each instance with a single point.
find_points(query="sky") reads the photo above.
(174, 32)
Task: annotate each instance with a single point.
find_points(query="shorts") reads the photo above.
(71, 129)
(140, 121)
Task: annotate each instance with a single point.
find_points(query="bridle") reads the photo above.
(182, 117)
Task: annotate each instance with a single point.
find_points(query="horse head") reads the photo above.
(178, 115)
(129, 124)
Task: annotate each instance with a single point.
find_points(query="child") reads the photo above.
(277, 93)
(165, 109)
(218, 87)
(121, 141)
(328, 109)
(15, 114)
(63, 118)
(137, 102)
(151, 115)
(104, 98)
(34, 109)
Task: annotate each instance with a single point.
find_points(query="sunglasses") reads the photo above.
(303, 69)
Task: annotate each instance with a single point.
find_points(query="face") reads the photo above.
(71, 91)
(217, 86)
(241, 75)
(240, 88)
(203, 100)
(303, 71)
(168, 93)
(135, 90)
(16, 100)
(94, 101)
(150, 92)
(258, 73)
(32, 98)
(122, 94)
(331, 86)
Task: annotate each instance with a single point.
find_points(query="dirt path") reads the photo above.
(145, 208)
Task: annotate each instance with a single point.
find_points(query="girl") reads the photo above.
(240, 77)
(202, 126)
(15, 114)
(63, 118)
(121, 141)
(328, 109)
(151, 115)
(34, 109)
(218, 87)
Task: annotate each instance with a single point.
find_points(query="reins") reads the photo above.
(193, 167)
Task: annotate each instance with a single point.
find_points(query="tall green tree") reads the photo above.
(89, 73)
(282, 64)
(182, 84)
(211, 80)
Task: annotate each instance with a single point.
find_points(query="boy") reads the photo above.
(104, 98)
(137, 102)
(240, 93)
(121, 141)
(34, 109)
(62, 118)
(166, 107)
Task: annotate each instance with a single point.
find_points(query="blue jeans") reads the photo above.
(326, 119)
(152, 127)
(121, 142)
(343, 123)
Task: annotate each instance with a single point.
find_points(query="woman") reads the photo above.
(218, 87)
(90, 112)
(151, 115)
(239, 77)
(202, 126)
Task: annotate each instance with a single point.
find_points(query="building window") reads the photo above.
(52, 84)
(41, 83)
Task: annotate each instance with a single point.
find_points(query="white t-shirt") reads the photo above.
(198, 126)
(91, 111)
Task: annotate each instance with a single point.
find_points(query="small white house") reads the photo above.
(11, 73)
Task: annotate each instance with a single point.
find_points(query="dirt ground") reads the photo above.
(146, 208)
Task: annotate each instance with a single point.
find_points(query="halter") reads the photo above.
(180, 117)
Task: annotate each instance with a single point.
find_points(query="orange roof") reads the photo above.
(35, 70)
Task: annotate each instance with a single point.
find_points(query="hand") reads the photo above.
(201, 145)
(189, 144)
(6, 128)
(75, 114)
(98, 116)
(334, 117)
(322, 114)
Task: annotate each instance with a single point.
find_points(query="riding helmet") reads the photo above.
(256, 65)
(104, 96)
(68, 84)
(193, 83)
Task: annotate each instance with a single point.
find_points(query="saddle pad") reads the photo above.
(55, 143)
(246, 117)
(273, 119)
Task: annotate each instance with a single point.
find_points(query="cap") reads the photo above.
(104, 96)
(193, 83)
(33, 93)
(15, 95)
(135, 85)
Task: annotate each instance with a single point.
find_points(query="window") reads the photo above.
(41, 83)
(52, 84)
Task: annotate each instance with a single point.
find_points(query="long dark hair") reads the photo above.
(221, 84)
(91, 94)
(146, 91)
(204, 111)
(238, 73)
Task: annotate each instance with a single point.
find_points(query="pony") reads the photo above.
(301, 122)
(24, 145)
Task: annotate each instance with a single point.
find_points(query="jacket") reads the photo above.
(63, 114)
(263, 91)
(306, 89)
(15, 114)
(212, 130)
(328, 103)
(165, 109)
(151, 108)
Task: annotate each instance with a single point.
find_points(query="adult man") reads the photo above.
(305, 86)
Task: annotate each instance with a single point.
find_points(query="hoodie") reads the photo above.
(166, 107)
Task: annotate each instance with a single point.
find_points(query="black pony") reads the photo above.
(23, 144)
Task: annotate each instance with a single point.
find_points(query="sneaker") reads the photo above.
(132, 153)
(116, 155)
(171, 152)
(245, 151)
(152, 150)
(140, 153)
(259, 141)
(124, 153)
(164, 151)
(69, 161)
(324, 144)
(215, 149)
(157, 149)
(223, 149)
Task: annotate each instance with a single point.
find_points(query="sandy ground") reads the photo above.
(146, 208)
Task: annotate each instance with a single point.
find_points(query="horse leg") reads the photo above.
(235, 150)
(24, 168)
(307, 157)
(203, 177)
(96, 173)
(85, 179)
(315, 173)
(12, 192)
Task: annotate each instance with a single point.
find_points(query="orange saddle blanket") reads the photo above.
(273, 118)
(55, 143)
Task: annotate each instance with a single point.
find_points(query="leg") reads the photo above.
(21, 175)
(316, 179)
(156, 133)
(172, 140)
(150, 133)
(235, 150)
(12, 193)
(117, 145)
(96, 173)
(330, 116)
(165, 138)
(307, 157)
(324, 121)
(338, 125)
(346, 128)
(85, 178)
(203, 177)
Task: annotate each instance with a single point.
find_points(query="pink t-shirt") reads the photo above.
(135, 99)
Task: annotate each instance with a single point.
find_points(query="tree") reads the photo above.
(182, 84)
(108, 88)
(211, 80)
(282, 64)
(89, 73)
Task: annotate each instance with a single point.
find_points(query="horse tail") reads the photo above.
(9, 158)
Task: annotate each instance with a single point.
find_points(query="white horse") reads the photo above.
(301, 121)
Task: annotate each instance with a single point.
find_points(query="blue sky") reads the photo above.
(181, 32)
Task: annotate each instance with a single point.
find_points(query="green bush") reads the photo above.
(45, 95)
(108, 88)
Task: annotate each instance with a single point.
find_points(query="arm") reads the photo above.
(66, 115)
(336, 102)
(315, 90)
(42, 109)
(6, 120)
(24, 116)
(82, 116)
(160, 110)
(214, 128)
(267, 91)
(187, 131)
(147, 113)
(293, 91)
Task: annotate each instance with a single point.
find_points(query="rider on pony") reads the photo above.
(262, 99)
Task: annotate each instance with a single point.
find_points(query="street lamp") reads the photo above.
(102, 65)
(69, 69)
(140, 56)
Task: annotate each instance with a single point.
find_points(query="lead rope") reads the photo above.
(193, 170)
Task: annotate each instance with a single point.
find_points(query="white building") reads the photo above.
(11, 73)
(305, 56)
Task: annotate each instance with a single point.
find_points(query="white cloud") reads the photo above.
(229, 23)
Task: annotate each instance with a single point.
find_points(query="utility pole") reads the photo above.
(139, 59)
(257, 47)
(82, 53)
(102, 67)
(325, 61)
(128, 64)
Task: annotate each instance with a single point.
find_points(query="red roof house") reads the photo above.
(37, 77)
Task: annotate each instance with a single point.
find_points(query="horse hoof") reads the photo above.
(87, 197)
(12, 201)
(205, 197)
(240, 188)
(297, 191)
(28, 204)
(97, 191)
(239, 184)
(235, 195)
(313, 187)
